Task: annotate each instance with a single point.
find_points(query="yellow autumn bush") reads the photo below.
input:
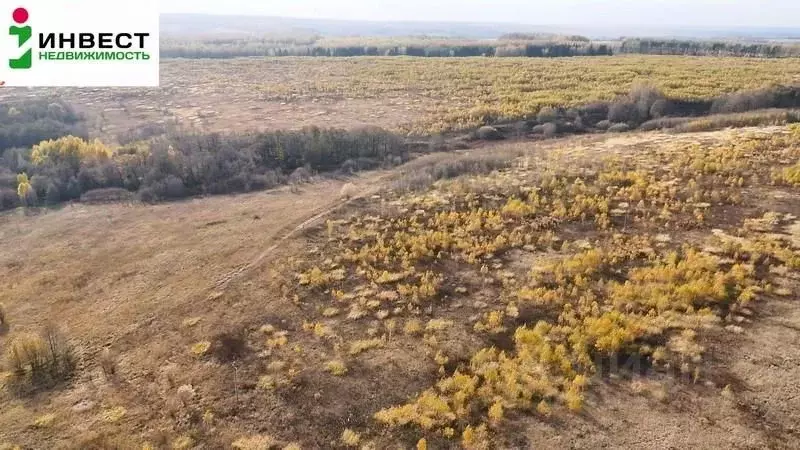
(69, 147)
(583, 304)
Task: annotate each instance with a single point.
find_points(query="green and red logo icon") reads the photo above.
(23, 33)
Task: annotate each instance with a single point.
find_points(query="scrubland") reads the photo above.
(406, 94)
(603, 290)
(561, 278)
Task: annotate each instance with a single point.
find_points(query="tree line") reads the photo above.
(707, 48)
(182, 164)
(531, 50)
(512, 45)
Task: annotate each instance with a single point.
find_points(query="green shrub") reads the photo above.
(547, 114)
(423, 172)
(747, 119)
(547, 129)
(489, 134)
(3, 319)
(623, 111)
(619, 128)
(8, 199)
(603, 125)
(663, 123)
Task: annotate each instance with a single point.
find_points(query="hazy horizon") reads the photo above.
(672, 13)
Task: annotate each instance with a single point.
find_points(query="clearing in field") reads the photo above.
(626, 291)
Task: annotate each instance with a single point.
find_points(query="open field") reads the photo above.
(143, 276)
(626, 291)
(420, 95)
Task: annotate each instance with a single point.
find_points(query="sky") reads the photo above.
(694, 13)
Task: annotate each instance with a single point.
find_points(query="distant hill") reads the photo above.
(201, 24)
(204, 24)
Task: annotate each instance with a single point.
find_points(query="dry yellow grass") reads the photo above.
(520, 246)
(131, 278)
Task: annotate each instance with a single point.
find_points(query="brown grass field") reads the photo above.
(287, 317)
(417, 95)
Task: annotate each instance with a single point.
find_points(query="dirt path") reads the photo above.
(109, 270)
(369, 186)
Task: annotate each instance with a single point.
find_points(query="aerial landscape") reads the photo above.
(369, 233)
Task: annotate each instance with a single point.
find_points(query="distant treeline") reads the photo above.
(707, 48)
(512, 45)
(542, 37)
(243, 48)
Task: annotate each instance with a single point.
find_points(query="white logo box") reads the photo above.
(96, 43)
